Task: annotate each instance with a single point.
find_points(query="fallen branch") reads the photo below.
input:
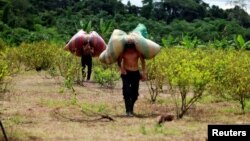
(59, 115)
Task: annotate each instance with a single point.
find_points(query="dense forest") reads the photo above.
(166, 20)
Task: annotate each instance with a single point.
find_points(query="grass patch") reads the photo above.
(51, 103)
(15, 120)
(164, 101)
(90, 108)
(158, 129)
(209, 98)
(247, 108)
(12, 132)
(14, 135)
(231, 109)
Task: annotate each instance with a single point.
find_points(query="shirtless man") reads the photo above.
(128, 64)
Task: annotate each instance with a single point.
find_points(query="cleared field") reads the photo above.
(37, 108)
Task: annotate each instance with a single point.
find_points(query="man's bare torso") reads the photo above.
(130, 59)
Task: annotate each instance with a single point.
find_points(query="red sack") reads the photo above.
(75, 44)
(81, 38)
(97, 43)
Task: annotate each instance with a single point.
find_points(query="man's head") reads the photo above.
(87, 49)
(129, 45)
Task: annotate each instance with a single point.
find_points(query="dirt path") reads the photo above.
(39, 109)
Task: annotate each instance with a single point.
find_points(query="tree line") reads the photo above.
(57, 20)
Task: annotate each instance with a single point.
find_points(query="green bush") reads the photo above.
(38, 55)
(156, 76)
(73, 69)
(4, 74)
(6, 67)
(68, 66)
(232, 76)
(2, 45)
(106, 77)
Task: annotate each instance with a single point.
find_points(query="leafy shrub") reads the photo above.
(14, 59)
(2, 45)
(67, 66)
(185, 71)
(105, 77)
(72, 72)
(155, 76)
(38, 55)
(232, 76)
(6, 67)
(4, 74)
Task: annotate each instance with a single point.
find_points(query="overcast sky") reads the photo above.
(224, 4)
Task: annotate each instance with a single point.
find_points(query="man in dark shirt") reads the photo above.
(86, 58)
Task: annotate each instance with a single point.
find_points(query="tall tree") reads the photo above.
(6, 14)
(240, 15)
(18, 13)
(241, 3)
(132, 9)
(147, 7)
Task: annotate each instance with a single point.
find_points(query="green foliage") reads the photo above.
(72, 72)
(192, 73)
(241, 43)
(2, 45)
(69, 67)
(18, 36)
(86, 26)
(189, 43)
(169, 41)
(185, 71)
(42, 33)
(156, 76)
(106, 77)
(44, 56)
(62, 19)
(13, 58)
(5, 72)
(232, 76)
(96, 108)
(105, 28)
(39, 55)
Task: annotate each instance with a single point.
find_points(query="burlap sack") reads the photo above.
(97, 42)
(75, 44)
(141, 29)
(114, 48)
(80, 39)
(117, 41)
(145, 46)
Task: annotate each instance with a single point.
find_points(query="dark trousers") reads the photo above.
(130, 89)
(86, 60)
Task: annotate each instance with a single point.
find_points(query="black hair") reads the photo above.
(85, 41)
(129, 45)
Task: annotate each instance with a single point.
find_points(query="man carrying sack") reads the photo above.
(130, 74)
